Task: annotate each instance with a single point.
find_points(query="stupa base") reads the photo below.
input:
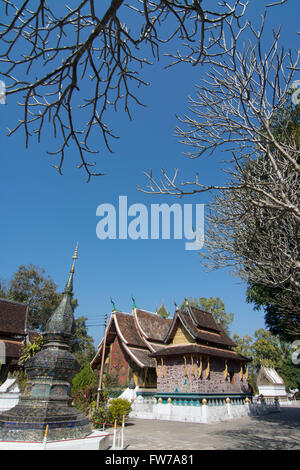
(25, 424)
(97, 440)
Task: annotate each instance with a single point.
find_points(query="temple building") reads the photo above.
(190, 354)
(131, 338)
(199, 359)
(13, 316)
(271, 386)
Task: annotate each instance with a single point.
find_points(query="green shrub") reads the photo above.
(118, 407)
(84, 389)
(100, 415)
(115, 392)
(86, 377)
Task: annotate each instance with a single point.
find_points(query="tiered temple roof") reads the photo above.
(145, 336)
(139, 334)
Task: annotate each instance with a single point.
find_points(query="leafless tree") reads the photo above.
(261, 245)
(253, 220)
(58, 58)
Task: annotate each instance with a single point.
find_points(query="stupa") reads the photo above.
(47, 399)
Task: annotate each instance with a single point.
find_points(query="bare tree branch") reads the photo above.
(243, 106)
(60, 58)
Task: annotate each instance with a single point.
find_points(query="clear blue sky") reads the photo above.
(44, 214)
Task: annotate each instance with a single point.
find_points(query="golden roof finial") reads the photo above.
(75, 252)
(74, 257)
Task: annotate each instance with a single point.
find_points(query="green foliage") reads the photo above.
(84, 390)
(271, 300)
(82, 344)
(87, 377)
(290, 374)
(31, 349)
(216, 307)
(22, 379)
(118, 407)
(267, 350)
(285, 122)
(31, 286)
(3, 290)
(243, 345)
(100, 416)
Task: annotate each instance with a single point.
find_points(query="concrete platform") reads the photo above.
(97, 440)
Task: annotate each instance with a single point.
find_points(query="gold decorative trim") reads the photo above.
(207, 368)
(225, 370)
(200, 368)
(186, 368)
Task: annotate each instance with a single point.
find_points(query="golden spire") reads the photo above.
(69, 285)
(74, 257)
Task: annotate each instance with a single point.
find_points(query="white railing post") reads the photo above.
(114, 438)
(122, 433)
(228, 407)
(204, 410)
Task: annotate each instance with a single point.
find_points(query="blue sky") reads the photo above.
(44, 214)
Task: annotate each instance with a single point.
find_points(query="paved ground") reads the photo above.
(280, 431)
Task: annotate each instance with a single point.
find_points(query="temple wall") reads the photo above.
(118, 364)
(197, 412)
(172, 377)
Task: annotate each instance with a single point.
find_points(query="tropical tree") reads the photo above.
(290, 374)
(3, 290)
(267, 350)
(281, 310)
(83, 346)
(243, 345)
(30, 285)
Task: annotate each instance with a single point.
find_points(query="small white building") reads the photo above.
(9, 394)
(271, 386)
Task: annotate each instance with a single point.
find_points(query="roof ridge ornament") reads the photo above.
(133, 304)
(113, 309)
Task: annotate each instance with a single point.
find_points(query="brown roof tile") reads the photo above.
(194, 348)
(204, 320)
(12, 317)
(152, 325)
(128, 329)
(216, 337)
(142, 356)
